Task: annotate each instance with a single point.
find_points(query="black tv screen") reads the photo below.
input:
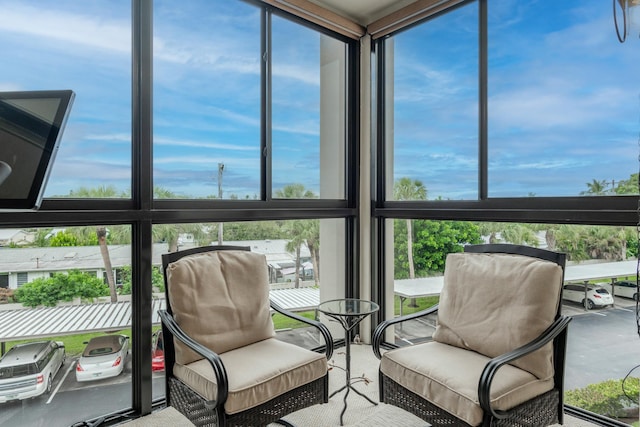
(31, 125)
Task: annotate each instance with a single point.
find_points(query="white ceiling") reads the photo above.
(363, 12)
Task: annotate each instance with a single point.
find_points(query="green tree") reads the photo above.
(102, 192)
(296, 231)
(300, 232)
(295, 191)
(408, 189)
(311, 236)
(595, 188)
(157, 279)
(593, 242)
(515, 233)
(629, 186)
(170, 233)
(253, 230)
(433, 241)
(63, 238)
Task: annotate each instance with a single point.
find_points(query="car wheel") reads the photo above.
(635, 297)
(590, 304)
(49, 384)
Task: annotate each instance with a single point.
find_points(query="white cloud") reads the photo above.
(45, 25)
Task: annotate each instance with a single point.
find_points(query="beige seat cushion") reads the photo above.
(261, 371)
(494, 303)
(448, 376)
(220, 299)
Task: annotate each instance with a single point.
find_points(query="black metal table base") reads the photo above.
(349, 387)
(348, 312)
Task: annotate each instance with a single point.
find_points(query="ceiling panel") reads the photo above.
(363, 12)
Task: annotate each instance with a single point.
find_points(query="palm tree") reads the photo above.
(296, 232)
(104, 250)
(295, 191)
(595, 188)
(102, 192)
(407, 189)
(170, 233)
(312, 238)
(301, 231)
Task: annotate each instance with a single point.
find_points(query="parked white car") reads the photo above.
(27, 370)
(597, 296)
(103, 357)
(627, 289)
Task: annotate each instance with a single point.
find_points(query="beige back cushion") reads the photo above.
(221, 300)
(494, 303)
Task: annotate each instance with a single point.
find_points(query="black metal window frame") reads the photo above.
(595, 210)
(142, 211)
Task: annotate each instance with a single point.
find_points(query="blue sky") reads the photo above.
(564, 100)
(564, 96)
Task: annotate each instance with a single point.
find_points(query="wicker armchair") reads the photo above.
(497, 355)
(223, 364)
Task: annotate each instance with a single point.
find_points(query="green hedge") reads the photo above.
(607, 398)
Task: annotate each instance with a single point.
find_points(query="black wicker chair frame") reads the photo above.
(542, 410)
(202, 412)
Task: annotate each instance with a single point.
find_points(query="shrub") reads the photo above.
(606, 398)
(157, 280)
(60, 287)
(6, 295)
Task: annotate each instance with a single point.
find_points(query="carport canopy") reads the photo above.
(47, 322)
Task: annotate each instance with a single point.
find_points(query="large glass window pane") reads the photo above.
(85, 47)
(563, 105)
(308, 111)
(431, 87)
(305, 259)
(602, 341)
(69, 291)
(206, 118)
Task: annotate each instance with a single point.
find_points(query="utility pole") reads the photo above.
(220, 169)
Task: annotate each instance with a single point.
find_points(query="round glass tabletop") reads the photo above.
(348, 307)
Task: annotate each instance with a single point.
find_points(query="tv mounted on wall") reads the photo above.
(31, 126)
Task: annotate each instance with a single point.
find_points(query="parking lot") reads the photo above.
(574, 309)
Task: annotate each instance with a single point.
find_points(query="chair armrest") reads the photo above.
(212, 357)
(484, 386)
(378, 334)
(324, 331)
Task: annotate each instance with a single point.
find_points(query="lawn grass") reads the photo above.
(422, 303)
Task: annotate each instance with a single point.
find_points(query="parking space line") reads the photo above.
(599, 314)
(53, 393)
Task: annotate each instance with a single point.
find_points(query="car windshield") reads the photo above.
(18, 371)
(601, 291)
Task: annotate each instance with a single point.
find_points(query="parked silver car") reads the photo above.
(596, 296)
(103, 357)
(27, 370)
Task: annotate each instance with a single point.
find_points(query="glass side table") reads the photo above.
(348, 312)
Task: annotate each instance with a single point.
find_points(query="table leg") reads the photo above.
(348, 386)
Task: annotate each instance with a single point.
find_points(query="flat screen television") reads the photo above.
(31, 126)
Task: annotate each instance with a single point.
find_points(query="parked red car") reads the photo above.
(157, 351)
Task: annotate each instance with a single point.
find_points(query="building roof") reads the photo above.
(89, 257)
(68, 258)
